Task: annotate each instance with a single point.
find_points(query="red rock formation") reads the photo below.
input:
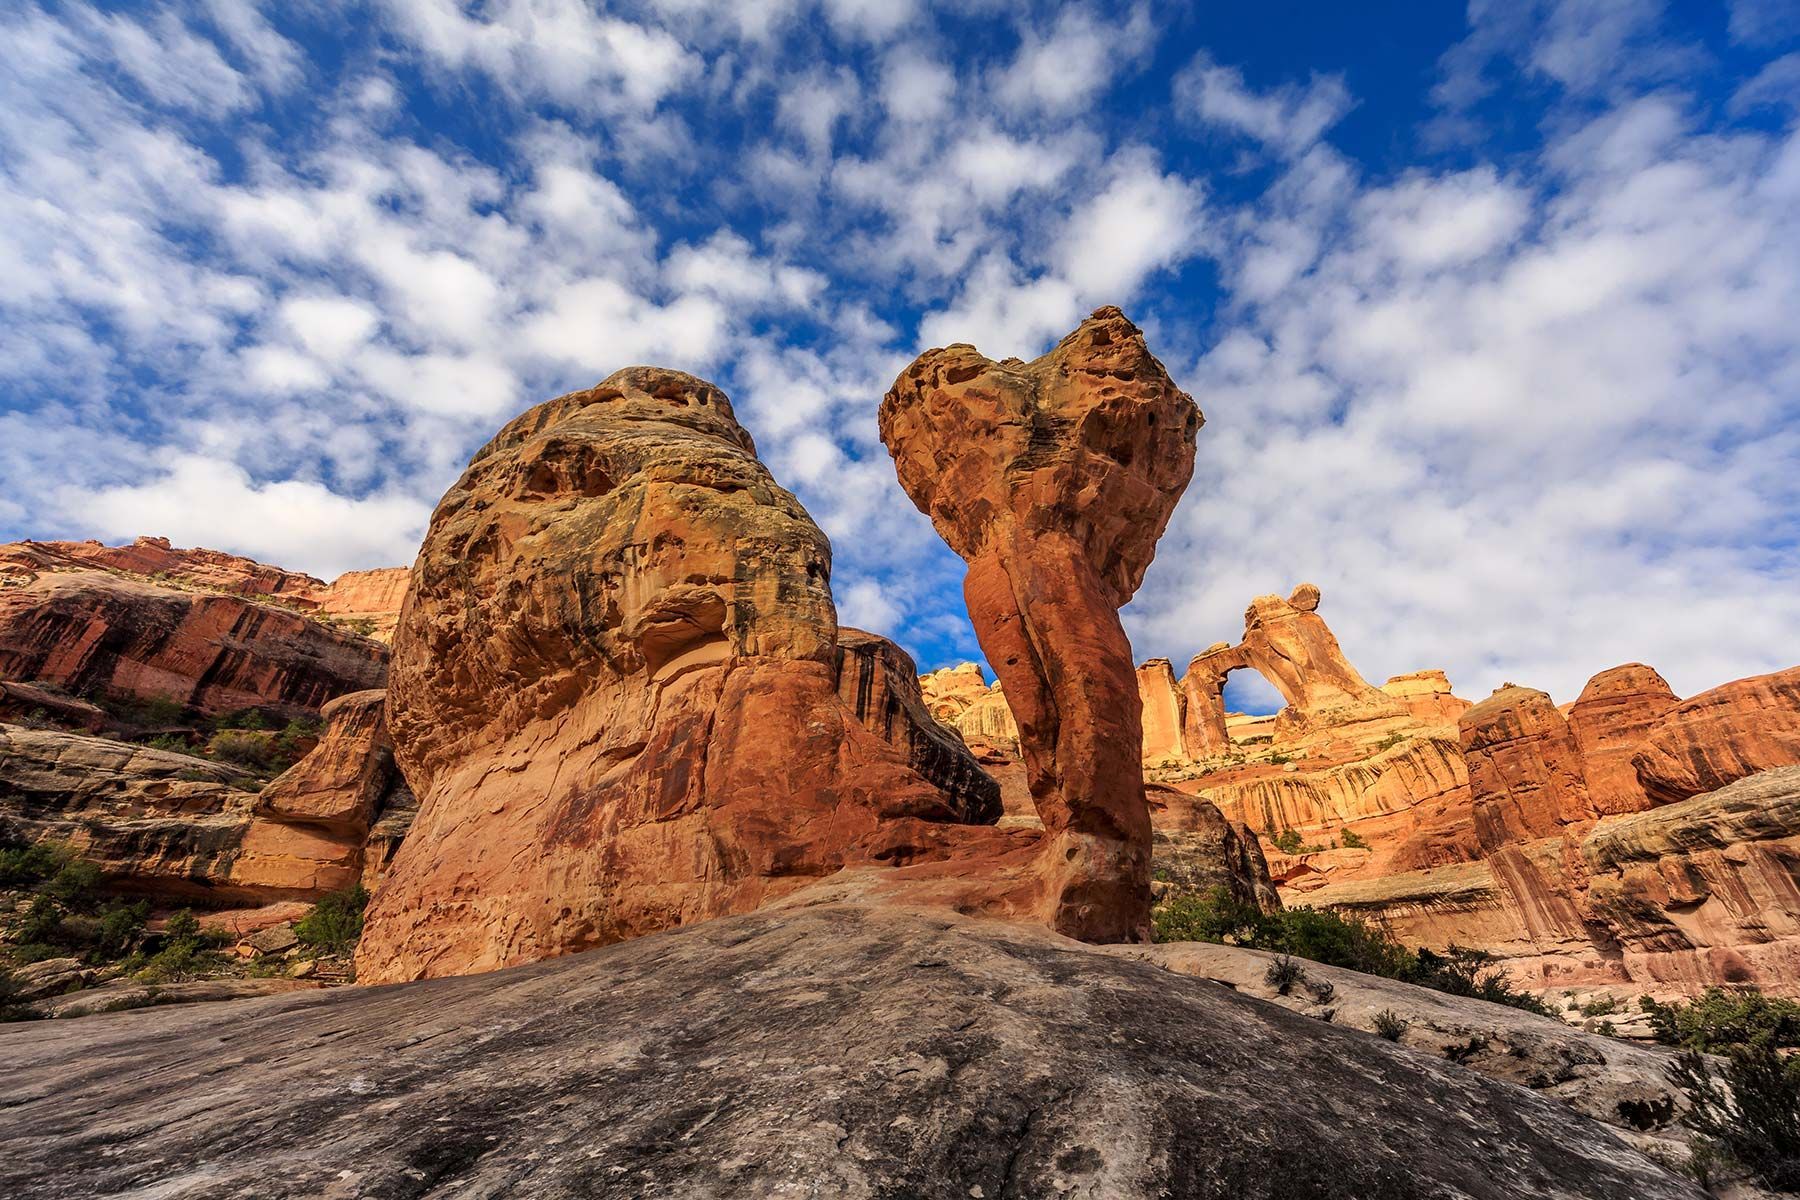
(1427, 696)
(1163, 711)
(1611, 719)
(342, 782)
(1198, 851)
(1721, 736)
(371, 598)
(616, 693)
(154, 556)
(1525, 768)
(1053, 480)
(1203, 701)
(880, 684)
(1290, 644)
(106, 635)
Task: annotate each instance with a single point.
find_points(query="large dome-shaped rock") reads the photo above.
(1525, 768)
(1053, 480)
(830, 1051)
(615, 693)
(1722, 736)
(1610, 720)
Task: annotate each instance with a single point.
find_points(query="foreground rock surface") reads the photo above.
(830, 1051)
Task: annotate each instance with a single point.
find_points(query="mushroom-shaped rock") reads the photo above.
(615, 693)
(1053, 480)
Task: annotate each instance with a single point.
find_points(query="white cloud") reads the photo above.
(1287, 119)
(1069, 66)
(329, 326)
(1764, 22)
(560, 50)
(200, 501)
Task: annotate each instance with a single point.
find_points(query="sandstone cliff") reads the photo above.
(1721, 736)
(120, 637)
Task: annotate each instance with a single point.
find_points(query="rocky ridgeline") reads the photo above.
(1495, 825)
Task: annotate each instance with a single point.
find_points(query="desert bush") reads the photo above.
(1337, 941)
(23, 866)
(1283, 974)
(1750, 1112)
(120, 930)
(1461, 971)
(1390, 1024)
(1721, 1019)
(240, 748)
(76, 884)
(1354, 840)
(184, 953)
(335, 923)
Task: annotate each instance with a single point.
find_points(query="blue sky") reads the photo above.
(1491, 311)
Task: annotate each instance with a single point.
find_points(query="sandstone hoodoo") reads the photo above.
(1610, 720)
(617, 692)
(1053, 480)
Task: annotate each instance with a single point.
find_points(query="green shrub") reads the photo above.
(1390, 1024)
(174, 743)
(1390, 741)
(121, 929)
(1287, 841)
(1600, 1006)
(1722, 1019)
(75, 884)
(1336, 941)
(335, 923)
(244, 718)
(27, 866)
(1461, 971)
(40, 923)
(1752, 1113)
(184, 952)
(1354, 840)
(240, 748)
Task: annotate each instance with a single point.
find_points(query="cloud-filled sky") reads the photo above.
(1494, 314)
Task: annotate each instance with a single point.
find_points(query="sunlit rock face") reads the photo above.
(1720, 736)
(1053, 480)
(616, 694)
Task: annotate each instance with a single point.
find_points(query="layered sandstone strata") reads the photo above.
(616, 692)
(182, 830)
(157, 823)
(366, 598)
(154, 557)
(1053, 480)
(1721, 736)
(1668, 901)
(111, 636)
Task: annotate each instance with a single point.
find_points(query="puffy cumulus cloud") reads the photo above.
(557, 50)
(199, 501)
(1064, 66)
(1105, 249)
(1522, 427)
